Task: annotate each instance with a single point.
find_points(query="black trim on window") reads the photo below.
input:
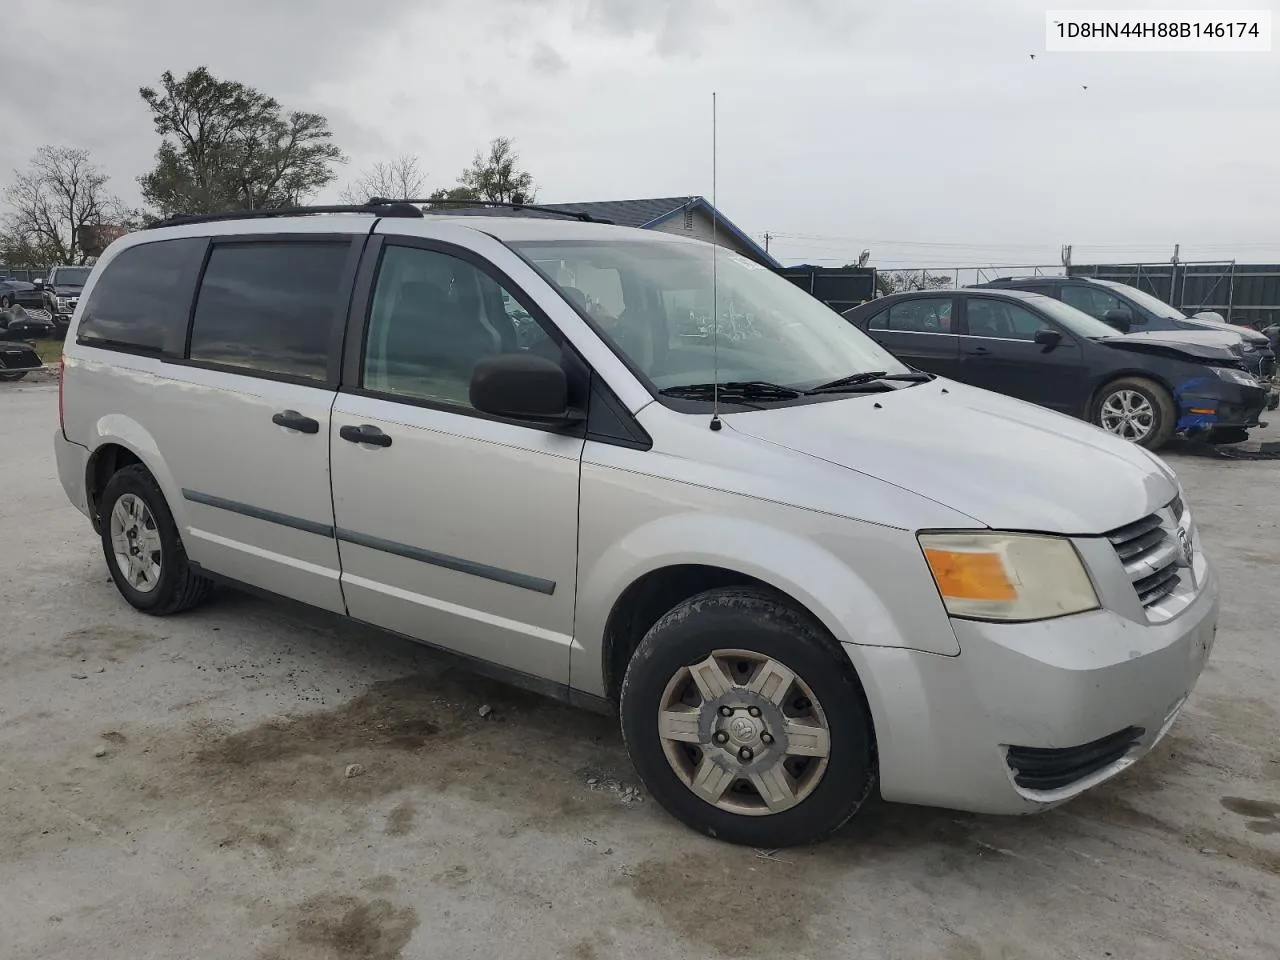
(608, 421)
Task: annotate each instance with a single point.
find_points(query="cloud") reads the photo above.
(547, 61)
(844, 121)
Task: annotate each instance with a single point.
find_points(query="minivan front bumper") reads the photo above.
(1030, 715)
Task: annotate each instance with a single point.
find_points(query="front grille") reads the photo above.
(1149, 550)
(1049, 768)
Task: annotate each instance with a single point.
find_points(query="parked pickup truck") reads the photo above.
(62, 292)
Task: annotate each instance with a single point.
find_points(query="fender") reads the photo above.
(128, 433)
(800, 567)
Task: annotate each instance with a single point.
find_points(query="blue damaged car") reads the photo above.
(1144, 387)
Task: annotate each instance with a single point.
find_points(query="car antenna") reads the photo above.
(715, 306)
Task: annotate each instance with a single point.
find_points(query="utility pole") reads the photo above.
(1176, 248)
(1066, 256)
(767, 238)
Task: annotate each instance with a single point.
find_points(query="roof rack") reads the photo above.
(391, 208)
(581, 215)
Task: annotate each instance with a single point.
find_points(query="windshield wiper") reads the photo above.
(855, 380)
(731, 390)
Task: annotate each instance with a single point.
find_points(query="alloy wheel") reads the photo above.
(1128, 414)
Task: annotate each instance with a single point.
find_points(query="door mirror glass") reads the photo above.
(1118, 317)
(522, 386)
(1048, 338)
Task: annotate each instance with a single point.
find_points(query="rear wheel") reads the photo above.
(13, 375)
(142, 547)
(4, 303)
(746, 721)
(1136, 409)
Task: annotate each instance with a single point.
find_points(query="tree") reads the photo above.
(453, 194)
(227, 146)
(398, 179)
(58, 208)
(497, 177)
(901, 281)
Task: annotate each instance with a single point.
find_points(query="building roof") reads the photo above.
(629, 213)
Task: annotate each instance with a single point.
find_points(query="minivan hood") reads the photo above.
(1007, 464)
(1195, 345)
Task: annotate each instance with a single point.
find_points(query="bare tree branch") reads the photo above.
(57, 206)
(398, 179)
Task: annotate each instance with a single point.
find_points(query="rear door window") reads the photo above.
(927, 315)
(270, 308)
(143, 293)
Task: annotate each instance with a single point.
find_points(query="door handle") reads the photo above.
(978, 352)
(365, 434)
(293, 420)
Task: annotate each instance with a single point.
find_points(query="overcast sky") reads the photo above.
(921, 130)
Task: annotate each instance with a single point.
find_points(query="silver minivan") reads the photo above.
(637, 473)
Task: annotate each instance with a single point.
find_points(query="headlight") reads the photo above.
(1008, 576)
(1232, 375)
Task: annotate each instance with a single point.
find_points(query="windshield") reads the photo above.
(1077, 321)
(653, 300)
(71, 276)
(1146, 301)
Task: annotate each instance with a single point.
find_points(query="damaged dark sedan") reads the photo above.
(1144, 387)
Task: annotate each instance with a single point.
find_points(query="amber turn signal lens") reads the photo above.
(966, 575)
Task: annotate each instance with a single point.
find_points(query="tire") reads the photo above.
(759, 629)
(169, 585)
(12, 375)
(1111, 405)
(4, 303)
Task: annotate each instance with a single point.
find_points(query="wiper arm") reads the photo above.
(858, 379)
(730, 389)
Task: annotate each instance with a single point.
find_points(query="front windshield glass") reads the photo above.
(653, 300)
(71, 276)
(1147, 301)
(1077, 321)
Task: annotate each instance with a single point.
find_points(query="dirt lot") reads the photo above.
(219, 823)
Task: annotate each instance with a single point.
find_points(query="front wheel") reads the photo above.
(746, 721)
(1136, 409)
(12, 375)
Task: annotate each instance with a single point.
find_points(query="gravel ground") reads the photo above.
(251, 781)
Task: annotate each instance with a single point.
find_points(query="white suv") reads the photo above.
(558, 450)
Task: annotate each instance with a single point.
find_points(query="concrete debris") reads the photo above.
(353, 770)
(100, 751)
(485, 710)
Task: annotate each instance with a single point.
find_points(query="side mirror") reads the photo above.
(1047, 338)
(38, 283)
(523, 386)
(1120, 319)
